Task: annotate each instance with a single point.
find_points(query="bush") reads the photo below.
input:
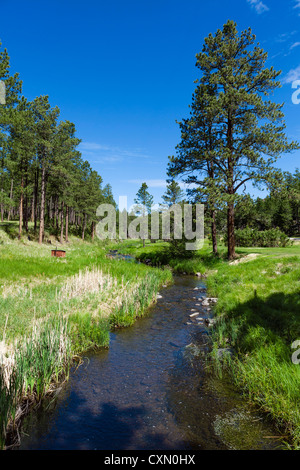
(177, 249)
(267, 238)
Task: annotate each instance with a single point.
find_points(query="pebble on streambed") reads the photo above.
(210, 321)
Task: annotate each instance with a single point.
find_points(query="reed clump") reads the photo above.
(39, 363)
(135, 302)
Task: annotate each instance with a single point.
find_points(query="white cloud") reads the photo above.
(150, 183)
(259, 6)
(296, 44)
(297, 5)
(292, 75)
(160, 183)
(92, 146)
(285, 36)
(108, 153)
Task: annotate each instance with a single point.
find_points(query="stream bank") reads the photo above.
(151, 391)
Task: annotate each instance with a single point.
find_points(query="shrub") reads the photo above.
(267, 238)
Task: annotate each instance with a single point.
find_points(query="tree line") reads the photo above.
(276, 215)
(43, 177)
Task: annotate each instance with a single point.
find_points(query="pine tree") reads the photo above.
(249, 127)
(108, 195)
(22, 149)
(45, 127)
(63, 176)
(144, 200)
(13, 89)
(173, 194)
(196, 153)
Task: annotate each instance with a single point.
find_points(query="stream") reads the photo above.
(150, 390)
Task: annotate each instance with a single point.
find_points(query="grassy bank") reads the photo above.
(156, 255)
(52, 309)
(257, 319)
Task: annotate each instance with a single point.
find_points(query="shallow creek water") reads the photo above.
(150, 391)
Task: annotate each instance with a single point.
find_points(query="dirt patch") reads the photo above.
(245, 259)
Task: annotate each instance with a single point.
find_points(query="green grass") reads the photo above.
(31, 281)
(293, 250)
(258, 316)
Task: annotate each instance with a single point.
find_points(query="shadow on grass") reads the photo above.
(262, 321)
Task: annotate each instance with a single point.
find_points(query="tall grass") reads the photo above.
(135, 302)
(88, 332)
(40, 361)
(9, 395)
(43, 357)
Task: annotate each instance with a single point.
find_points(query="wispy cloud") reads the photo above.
(297, 4)
(93, 146)
(283, 37)
(109, 153)
(292, 75)
(259, 6)
(296, 44)
(159, 183)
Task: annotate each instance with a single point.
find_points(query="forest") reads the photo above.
(43, 177)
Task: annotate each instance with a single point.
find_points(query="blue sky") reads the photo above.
(123, 71)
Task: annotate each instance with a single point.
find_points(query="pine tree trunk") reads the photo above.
(93, 230)
(21, 207)
(67, 224)
(2, 209)
(11, 198)
(230, 206)
(42, 213)
(56, 217)
(50, 210)
(25, 212)
(214, 232)
(83, 226)
(230, 229)
(32, 210)
(211, 174)
(36, 189)
(62, 223)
